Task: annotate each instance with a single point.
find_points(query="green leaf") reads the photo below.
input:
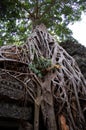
(16, 17)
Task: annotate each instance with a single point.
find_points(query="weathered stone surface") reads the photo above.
(13, 65)
(11, 87)
(78, 52)
(10, 110)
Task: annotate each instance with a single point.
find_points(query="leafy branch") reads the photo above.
(39, 66)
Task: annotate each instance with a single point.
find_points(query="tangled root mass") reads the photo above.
(61, 93)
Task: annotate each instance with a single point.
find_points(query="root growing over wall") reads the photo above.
(61, 92)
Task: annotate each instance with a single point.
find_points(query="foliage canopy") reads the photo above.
(18, 16)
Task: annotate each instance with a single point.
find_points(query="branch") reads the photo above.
(36, 8)
(52, 3)
(24, 7)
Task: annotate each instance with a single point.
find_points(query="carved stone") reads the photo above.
(11, 87)
(10, 110)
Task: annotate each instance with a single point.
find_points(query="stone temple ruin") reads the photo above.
(55, 101)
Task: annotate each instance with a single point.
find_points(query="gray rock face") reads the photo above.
(78, 52)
